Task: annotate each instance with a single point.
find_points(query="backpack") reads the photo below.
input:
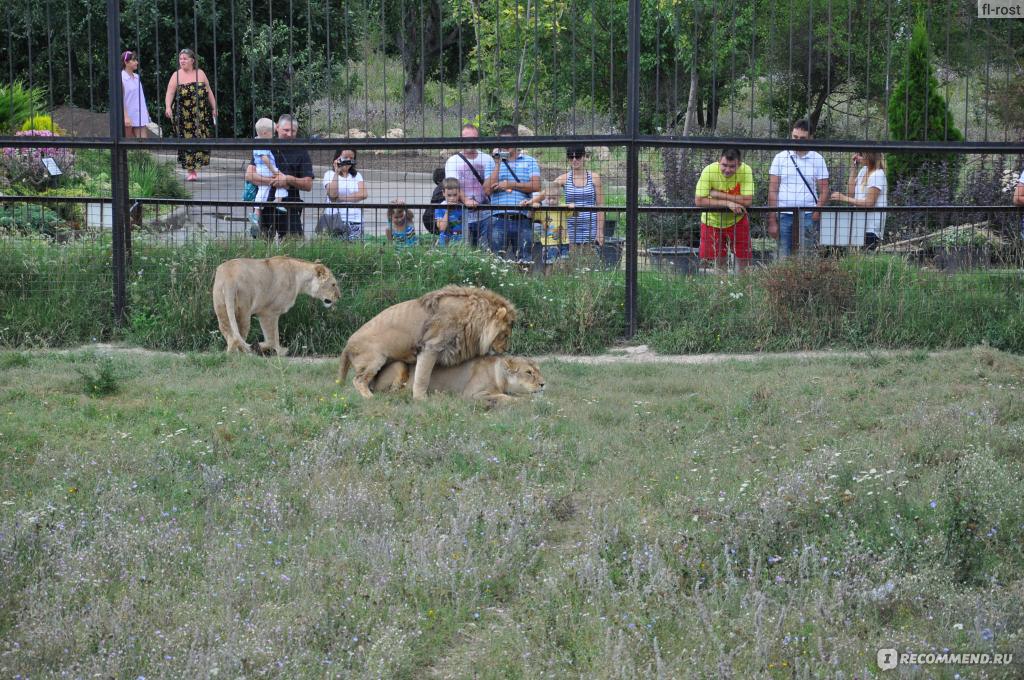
(428, 214)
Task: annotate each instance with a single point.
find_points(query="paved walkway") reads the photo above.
(223, 180)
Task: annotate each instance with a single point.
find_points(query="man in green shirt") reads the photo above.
(726, 188)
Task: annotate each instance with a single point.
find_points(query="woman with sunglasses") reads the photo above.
(582, 189)
(136, 115)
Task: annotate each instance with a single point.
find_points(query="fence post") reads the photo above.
(632, 166)
(118, 164)
(796, 244)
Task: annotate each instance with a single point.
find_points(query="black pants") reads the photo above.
(284, 224)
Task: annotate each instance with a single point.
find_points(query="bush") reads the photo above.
(27, 218)
(16, 104)
(24, 165)
(42, 122)
(672, 229)
(807, 292)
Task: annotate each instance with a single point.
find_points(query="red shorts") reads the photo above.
(716, 242)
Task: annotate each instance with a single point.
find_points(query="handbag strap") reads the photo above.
(479, 177)
(814, 194)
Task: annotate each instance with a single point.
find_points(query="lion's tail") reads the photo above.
(229, 303)
(343, 367)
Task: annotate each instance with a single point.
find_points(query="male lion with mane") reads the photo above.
(493, 379)
(446, 326)
(265, 288)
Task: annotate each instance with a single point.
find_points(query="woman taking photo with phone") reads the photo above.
(867, 188)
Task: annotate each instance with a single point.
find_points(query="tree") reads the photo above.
(812, 49)
(918, 112)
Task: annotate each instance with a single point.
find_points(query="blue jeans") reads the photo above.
(480, 232)
(808, 233)
(512, 238)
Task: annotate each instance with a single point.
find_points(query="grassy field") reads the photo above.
(198, 516)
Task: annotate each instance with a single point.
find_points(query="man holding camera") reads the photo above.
(296, 175)
(514, 179)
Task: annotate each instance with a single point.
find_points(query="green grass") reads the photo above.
(60, 296)
(774, 519)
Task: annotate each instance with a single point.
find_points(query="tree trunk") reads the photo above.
(691, 101)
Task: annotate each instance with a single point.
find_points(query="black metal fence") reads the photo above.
(653, 91)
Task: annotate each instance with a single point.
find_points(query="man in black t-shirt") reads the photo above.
(296, 175)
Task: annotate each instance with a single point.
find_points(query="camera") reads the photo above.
(501, 154)
(345, 161)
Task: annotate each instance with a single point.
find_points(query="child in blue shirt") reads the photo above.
(449, 218)
(401, 225)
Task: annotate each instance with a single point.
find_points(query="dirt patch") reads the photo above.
(82, 122)
(640, 354)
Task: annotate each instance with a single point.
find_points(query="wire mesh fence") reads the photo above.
(617, 127)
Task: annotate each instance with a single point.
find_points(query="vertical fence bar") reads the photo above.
(632, 165)
(118, 164)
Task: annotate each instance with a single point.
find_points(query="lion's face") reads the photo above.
(523, 376)
(502, 333)
(325, 287)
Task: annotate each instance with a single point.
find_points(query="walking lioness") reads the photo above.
(266, 288)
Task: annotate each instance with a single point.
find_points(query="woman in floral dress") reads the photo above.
(189, 103)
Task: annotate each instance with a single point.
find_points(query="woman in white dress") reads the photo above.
(136, 115)
(867, 188)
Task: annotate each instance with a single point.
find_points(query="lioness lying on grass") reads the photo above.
(265, 288)
(445, 327)
(494, 379)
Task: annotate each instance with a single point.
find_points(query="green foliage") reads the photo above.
(30, 218)
(771, 518)
(813, 48)
(42, 122)
(60, 296)
(918, 112)
(17, 103)
(150, 177)
(100, 380)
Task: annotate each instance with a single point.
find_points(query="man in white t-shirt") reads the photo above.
(472, 167)
(797, 179)
(1018, 199)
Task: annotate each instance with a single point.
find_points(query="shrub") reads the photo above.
(16, 104)
(24, 165)
(26, 218)
(806, 292)
(42, 122)
(918, 112)
(101, 381)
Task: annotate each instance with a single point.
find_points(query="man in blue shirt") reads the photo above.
(515, 178)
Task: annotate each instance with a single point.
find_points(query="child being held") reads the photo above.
(401, 224)
(449, 217)
(554, 236)
(266, 166)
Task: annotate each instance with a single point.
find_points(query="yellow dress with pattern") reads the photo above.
(192, 121)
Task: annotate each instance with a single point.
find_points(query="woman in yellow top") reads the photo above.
(185, 103)
(727, 187)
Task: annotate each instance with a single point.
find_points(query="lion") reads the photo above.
(446, 326)
(493, 379)
(265, 288)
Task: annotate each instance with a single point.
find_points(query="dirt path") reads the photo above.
(639, 354)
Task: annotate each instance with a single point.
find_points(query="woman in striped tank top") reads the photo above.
(582, 189)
